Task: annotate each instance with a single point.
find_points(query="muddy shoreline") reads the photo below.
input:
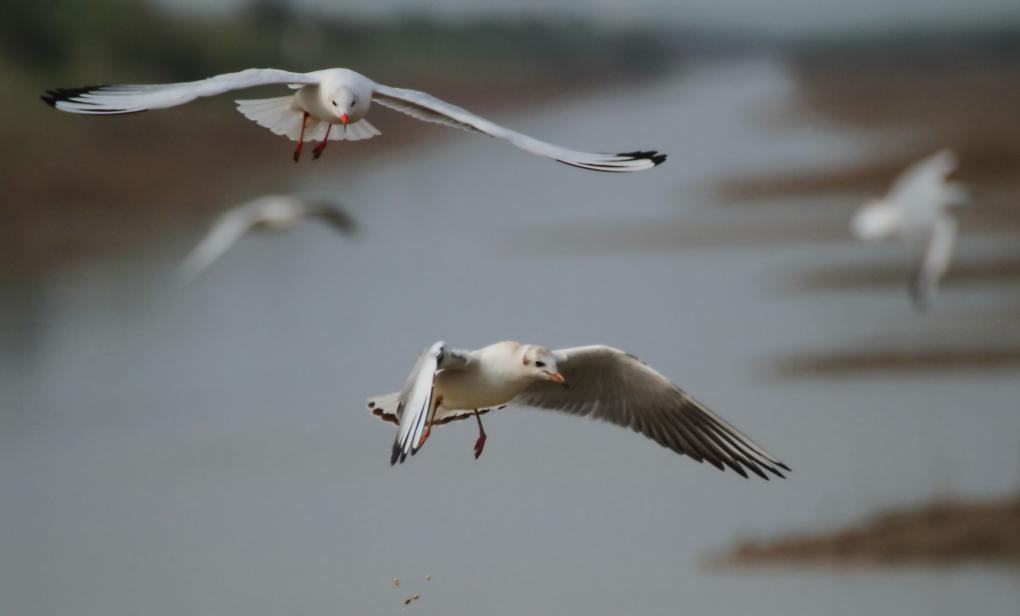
(936, 534)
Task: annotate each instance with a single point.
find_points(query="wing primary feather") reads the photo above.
(652, 155)
(65, 94)
(695, 443)
(750, 459)
(687, 445)
(736, 458)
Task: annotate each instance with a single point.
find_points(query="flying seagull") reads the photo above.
(271, 212)
(916, 212)
(597, 381)
(322, 101)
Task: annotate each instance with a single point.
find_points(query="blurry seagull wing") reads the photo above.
(934, 262)
(335, 216)
(228, 229)
(428, 108)
(118, 99)
(924, 177)
(607, 384)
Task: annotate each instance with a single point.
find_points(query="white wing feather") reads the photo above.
(428, 108)
(918, 179)
(416, 404)
(118, 99)
(938, 252)
(228, 229)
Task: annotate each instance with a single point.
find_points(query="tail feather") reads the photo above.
(385, 407)
(281, 117)
(276, 114)
(354, 132)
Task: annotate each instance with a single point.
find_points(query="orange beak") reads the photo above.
(343, 119)
(556, 377)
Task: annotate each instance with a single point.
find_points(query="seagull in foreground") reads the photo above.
(322, 101)
(916, 212)
(271, 212)
(598, 381)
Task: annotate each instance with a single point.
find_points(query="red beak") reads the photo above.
(343, 119)
(556, 377)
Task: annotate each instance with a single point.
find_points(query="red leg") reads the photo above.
(317, 152)
(480, 443)
(301, 138)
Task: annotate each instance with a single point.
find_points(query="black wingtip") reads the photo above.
(652, 155)
(56, 95)
(395, 454)
(754, 468)
(784, 467)
(63, 94)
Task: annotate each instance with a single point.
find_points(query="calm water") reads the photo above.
(206, 451)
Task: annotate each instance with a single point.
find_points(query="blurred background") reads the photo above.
(169, 449)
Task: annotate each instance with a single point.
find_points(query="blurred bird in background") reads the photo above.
(916, 211)
(270, 212)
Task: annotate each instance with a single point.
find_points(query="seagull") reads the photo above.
(596, 381)
(323, 100)
(916, 212)
(271, 212)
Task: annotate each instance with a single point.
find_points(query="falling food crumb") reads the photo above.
(413, 597)
(396, 581)
(428, 578)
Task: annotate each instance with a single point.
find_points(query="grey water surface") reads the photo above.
(168, 451)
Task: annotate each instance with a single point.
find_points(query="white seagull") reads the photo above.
(597, 381)
(916, 212)
(271, 212)
(323, 100)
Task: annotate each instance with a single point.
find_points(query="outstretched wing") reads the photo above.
(228, 229)
(428, 108)
(938, 252)
(334, 216)
(924, 181)
(416, 404)
(610, 385)
(119, 99)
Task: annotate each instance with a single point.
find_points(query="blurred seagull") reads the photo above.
(323, 100)
(916, 212)
(597, 381)
(271, 212)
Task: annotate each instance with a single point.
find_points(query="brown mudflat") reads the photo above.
(940, 533)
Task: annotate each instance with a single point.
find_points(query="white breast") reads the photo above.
(492, 378)
(309, 99)
(474, 389)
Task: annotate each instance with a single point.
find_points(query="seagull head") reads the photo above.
(540, 364)
(346, 105)
(876, 220)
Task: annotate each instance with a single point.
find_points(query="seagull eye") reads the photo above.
(334, 103)
(540, 364)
